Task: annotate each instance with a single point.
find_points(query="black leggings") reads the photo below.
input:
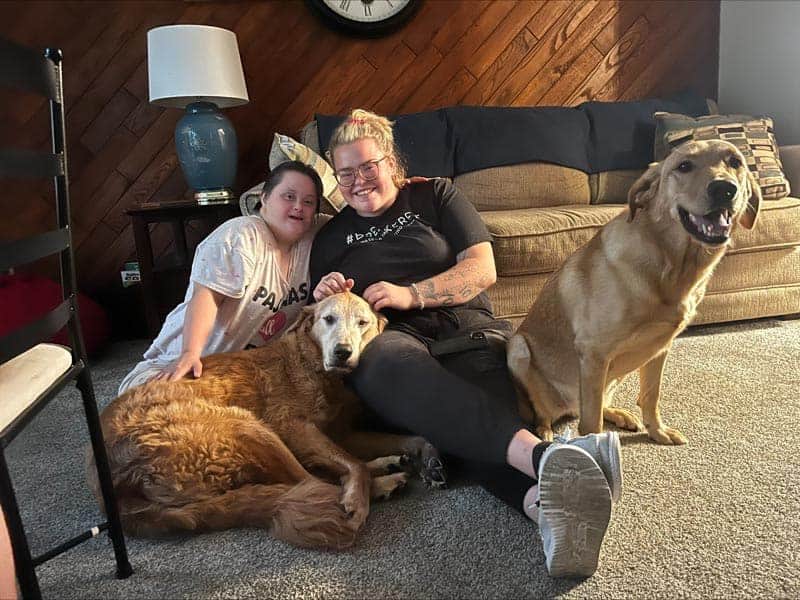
(464, 405)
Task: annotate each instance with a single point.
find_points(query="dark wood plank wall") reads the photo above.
(480, 52)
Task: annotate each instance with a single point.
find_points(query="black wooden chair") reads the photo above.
(33, 371)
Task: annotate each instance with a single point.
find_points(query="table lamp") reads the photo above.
(198, 68)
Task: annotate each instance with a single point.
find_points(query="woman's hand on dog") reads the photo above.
(383, 294)
(187, 362)
(380, 295)
(332, 283)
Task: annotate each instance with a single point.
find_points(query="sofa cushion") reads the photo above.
(622, 132)
(513, 297)
(538, 240)
(770, 268)
(611, 187)
(778, 226)
(754, 136)
(528, 185)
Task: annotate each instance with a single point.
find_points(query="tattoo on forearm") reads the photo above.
(426, 289)
(460, 284)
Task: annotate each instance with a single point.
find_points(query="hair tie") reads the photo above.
(357, 121)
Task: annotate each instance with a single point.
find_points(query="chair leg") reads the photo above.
(26, 572)
(84, 384)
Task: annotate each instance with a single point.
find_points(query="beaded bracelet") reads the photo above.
(415, 289)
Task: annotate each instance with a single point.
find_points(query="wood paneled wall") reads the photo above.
(486, 52)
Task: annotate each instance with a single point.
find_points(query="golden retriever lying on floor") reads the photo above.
(237, 446)
(617, 303)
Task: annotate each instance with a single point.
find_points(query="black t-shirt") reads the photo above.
(416, 238)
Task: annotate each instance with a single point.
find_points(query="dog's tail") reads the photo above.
(306, 514)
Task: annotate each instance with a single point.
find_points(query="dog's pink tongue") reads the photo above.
(714, 224)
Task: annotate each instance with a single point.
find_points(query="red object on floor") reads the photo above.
(23, 298)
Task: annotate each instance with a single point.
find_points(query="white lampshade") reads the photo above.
(194, 63)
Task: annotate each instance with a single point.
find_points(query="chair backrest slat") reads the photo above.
(26, 164)
(27, 250)
(41, 330)
(39, 72)
(25, 69)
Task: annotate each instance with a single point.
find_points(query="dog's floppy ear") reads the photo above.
(644, 189)
(382, 322)
(753, 193)
(306, 317)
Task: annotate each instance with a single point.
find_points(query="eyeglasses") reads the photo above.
(367, 170)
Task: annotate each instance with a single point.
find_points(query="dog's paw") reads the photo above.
(386, 485)
(667, 436)
(355, 498)
(433, 472)
(356, 513)
(428, 465)
(622, 418)
(386, 464)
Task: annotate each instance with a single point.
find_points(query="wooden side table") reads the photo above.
(178, 214)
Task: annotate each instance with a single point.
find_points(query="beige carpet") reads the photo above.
(717, 518)
(720, 516)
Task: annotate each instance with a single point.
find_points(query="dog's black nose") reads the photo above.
(342, 352)
(722, 192)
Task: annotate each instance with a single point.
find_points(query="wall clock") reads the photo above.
(369, 18)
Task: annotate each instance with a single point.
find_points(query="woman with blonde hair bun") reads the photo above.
(420, 253)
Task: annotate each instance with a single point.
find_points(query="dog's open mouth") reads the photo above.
(711, 228)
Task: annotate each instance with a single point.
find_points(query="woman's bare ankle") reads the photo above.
(520, 452)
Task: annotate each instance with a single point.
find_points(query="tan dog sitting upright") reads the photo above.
(617, 303)
(247, 443)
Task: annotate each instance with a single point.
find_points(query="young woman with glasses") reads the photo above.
(420, 253)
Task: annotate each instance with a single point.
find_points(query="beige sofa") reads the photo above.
(540, 213)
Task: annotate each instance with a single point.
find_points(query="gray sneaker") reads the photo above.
(604, 449)
(574, 510)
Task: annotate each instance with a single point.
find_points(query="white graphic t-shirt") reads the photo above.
(238, 260)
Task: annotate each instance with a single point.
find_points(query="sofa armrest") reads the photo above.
(790, 158)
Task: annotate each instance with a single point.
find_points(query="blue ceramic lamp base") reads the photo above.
(207, 150)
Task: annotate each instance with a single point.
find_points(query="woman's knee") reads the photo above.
(390, 349)
(390, 355)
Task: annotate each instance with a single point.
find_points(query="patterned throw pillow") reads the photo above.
(285, 148)
(753, 136)
(249, 199)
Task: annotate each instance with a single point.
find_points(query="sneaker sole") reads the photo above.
(576, 501)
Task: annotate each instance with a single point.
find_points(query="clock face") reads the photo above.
(366, 11)
(365, 17)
